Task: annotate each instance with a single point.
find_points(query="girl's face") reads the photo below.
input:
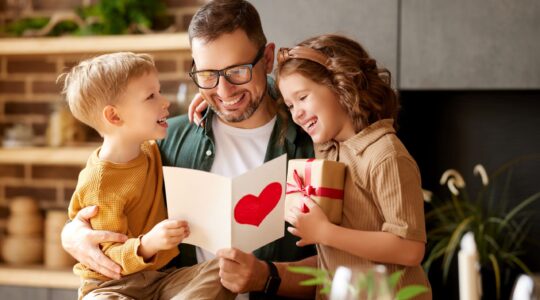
(315, 108)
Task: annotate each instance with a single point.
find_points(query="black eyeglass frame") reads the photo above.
(222, 72)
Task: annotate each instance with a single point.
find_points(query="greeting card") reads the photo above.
(244, 212)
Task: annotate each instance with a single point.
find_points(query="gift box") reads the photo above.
(320, 180)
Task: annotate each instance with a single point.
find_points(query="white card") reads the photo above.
(245, 212)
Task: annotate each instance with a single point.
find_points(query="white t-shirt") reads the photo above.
(237, 150)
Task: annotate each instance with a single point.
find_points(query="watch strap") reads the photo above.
(272, 283)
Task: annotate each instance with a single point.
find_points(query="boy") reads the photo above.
(119, 96)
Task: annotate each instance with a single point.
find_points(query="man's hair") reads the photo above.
(97, 82)
(364, 90)
(218, 17)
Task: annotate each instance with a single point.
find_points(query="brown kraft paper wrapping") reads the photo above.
(324, 184)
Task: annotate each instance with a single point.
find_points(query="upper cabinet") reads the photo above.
(463, 44)
(373, 23)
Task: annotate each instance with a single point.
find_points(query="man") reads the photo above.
(244, 128)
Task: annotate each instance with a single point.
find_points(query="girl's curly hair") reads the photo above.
(364, 90)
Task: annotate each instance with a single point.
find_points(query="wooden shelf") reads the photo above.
(46, 155)
(94, 44)
(38, 276)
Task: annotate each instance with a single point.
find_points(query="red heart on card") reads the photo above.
(252, 210)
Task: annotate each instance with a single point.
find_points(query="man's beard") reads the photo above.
(248, 112)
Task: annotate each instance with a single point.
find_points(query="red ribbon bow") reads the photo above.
(305, 187)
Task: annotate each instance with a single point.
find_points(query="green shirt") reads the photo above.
(191, 146)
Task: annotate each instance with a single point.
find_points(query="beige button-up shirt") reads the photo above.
(382, 193)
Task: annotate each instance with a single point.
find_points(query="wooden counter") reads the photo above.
(38, 276)
(94, 44)
(46, 155)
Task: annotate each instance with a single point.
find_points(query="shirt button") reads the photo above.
(208, 152)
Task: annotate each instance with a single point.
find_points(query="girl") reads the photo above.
(336, 94)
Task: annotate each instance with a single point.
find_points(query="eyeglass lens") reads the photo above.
(208, 79)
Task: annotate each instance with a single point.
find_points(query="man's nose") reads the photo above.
(224, 88)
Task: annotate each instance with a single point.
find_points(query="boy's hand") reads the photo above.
(307, 225)
(196, 107)
(165, 235)
(79, 240)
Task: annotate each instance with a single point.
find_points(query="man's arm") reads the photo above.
(79, 240)
(242, 272)
(290, 282)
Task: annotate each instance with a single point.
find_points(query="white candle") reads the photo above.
(470, 287)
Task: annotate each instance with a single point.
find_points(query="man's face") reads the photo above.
(233, 103)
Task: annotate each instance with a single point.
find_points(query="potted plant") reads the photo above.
(101, 18)
(500, 230)
(368, 284)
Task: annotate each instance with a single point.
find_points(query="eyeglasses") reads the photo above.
(237, 74)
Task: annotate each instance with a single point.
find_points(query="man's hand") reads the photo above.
(241, 272)
(196, 107)
(79, 240)
(164, 235)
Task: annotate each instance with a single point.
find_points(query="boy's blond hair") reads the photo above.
(97, 82)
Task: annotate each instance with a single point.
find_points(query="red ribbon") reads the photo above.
(305, 187)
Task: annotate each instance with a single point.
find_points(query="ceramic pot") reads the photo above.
(25, 224)
(56, 257)
(54, 223)
(24, 206)
(22, 250)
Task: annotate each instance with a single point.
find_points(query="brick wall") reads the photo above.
(28, 93)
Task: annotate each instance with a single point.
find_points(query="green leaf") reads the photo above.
(313, 281)
(308, 271)
(326, 290)
(410, 291)
(497, 271)
(521, 206)
(519, 263)
(394, 279)
(453, 243)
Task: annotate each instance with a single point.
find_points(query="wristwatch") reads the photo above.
(272, 283)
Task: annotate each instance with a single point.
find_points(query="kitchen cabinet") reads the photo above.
(27, 293)
(373, 23)
(37, 283)
(462, 44)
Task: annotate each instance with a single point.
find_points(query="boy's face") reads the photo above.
(234, 104)
(143, 110)
(316, 108)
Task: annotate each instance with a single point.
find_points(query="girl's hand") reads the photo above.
(196, 107)
(309, 226)
(165, 235)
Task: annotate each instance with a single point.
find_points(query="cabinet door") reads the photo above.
(22, 293)
(463, 44)
(373, 23)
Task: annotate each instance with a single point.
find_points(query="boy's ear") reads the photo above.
(111, 116)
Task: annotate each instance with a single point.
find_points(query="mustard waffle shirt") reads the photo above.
(130, 200)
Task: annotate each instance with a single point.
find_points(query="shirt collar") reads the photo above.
(364, 138)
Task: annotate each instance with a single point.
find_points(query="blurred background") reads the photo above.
(468, 74)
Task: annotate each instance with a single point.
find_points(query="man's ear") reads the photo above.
(111, 116)
(269, 57)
